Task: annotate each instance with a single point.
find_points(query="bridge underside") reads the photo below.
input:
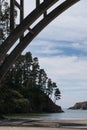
(17, 33)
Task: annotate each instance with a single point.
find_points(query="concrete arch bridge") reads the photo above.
(41, 9)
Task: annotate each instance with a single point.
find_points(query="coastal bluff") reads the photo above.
(80, 105)
(51, 107)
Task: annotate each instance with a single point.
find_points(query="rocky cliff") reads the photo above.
(51, 107)
(80, 105)
(45, 105)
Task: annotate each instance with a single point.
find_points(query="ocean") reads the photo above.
(66, 115)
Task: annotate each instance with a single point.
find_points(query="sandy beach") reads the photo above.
(31, 128)
(43, 125)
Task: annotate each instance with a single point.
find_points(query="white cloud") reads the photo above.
(70, 25)
(65, 67)
(80, 46)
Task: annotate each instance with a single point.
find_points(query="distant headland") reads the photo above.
(80, 105)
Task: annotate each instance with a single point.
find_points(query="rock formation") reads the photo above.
(80, 105)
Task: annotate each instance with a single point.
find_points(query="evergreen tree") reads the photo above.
(42, 78)
(57, 94)
(35, 70)
(49, 87)
(26, 79)
(27, 68)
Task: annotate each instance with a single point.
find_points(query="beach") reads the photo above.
(44, 125)
(31, 128)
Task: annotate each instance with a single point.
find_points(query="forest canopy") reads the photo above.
(26, 87)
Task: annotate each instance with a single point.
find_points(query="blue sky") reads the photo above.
(62, 51)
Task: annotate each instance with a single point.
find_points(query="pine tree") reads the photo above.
(57, 94)
(35, 70)
(42, 78)
(49, 87)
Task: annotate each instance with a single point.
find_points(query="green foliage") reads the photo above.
(57, 94)
(25, 87)
(26, 74)
(21, 105)
(49, 87)
(12, 101)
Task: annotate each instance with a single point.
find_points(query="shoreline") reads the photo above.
(26, 124)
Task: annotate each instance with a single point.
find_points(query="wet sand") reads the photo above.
(43, 125)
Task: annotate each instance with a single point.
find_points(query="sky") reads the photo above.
(62, 51)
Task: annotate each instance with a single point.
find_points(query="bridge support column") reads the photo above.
(20, 6)
(45, 13)
(37, 3)
(12, 3)
(21, 14)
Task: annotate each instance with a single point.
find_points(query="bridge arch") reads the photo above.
(32, 34)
